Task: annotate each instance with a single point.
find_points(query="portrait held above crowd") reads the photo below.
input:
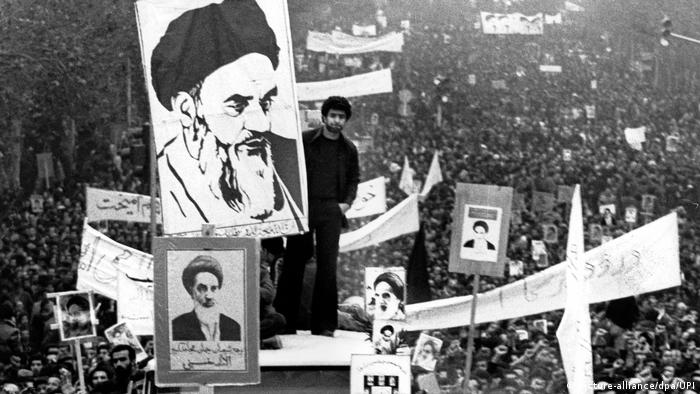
(347, 175)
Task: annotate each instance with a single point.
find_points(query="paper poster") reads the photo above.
(387, 336)
(220, 80)
(344, 44)
(385, 292)
(480, 230)
(566, 154)
(631, 215)
(375, 82)
(514, 23)
(595, 232)
(648, 201)
(37, 202)
(121, 334)
(550, 68)
(471, 79)
(380, 374)
(132, 292)
(370, 199)
(75, 314)
(516, 268)
(481, 220)
(427, 352)
(672, 143)
(550, 233)
(207, 313)
(540, 325)
(605, 208)
(538, 249)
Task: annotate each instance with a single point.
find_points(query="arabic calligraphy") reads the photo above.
(206, 356)
(112, 205)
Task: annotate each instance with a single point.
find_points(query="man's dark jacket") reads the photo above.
(348, 165)
(187, 328)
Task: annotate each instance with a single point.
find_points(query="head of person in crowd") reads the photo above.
(123, 358)
(335, 112)
(103, 352)
(100, 379)
(36, 364)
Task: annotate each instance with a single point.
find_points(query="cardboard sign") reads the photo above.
(631, 215)
(566, 154)
(385, 292)
(427, 352)
(481, 220)
(387, 336)
(380, 374)
(121, 334)
(516, 268)
(207, 292)
(550, 233)
(75, 312)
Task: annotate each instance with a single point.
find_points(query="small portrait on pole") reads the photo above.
(208, 292)
(480, 232)
(76, 315)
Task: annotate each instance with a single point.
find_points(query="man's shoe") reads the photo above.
(271, 343)
(325, 333)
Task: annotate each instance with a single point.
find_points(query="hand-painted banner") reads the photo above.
(641, 261)
(516, 23)
(221, 88)
(102, 260)
(135, 304)
(480, 223)
(370, 200)
(113, 205)
(374, 82)
(345, 44)
(399, 220)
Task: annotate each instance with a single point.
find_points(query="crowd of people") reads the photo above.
(512, 133)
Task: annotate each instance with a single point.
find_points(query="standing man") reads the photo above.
(333, 172)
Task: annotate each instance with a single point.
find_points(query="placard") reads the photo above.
(427, 352)
(387, 336)
(207, 311)
(385, 292)
(380, 374)
(481, 220)
(75, 312)
(121, 334)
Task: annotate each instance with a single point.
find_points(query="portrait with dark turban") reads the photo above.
(214, 70)
(76, 315)
(386, 294)
(203, 278)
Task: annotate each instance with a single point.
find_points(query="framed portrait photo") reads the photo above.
(385, 292)
(75, 312)
(207, 311)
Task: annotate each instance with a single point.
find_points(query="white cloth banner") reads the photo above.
(574, 332)
(102, 259)
(369, 30)
(135, 304)
(516, 23)
(370, 200)
(357, 85)
(635, 136)
(550, 68)
(434, 176)
(345, 44)
(641, 261)
(553, 19)
(399, 220)
(113, 205)
(406, 182)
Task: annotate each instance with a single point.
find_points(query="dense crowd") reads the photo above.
(512, 136)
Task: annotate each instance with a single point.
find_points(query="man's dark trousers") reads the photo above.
(325, 220)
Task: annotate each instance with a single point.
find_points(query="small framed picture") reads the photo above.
(76, 315)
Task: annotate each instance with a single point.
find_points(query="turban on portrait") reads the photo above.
(393, 281)
(201, 264)
(202, 40)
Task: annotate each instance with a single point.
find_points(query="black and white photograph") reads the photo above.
(427, 352)
(206, 314)
(76, 315)
(388, 336)
(385, 292)
(480, 233)
(121, 334)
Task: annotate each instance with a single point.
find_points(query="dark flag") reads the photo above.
(418, 288)
(624, 312)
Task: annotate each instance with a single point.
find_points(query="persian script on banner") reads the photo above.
(641, 261)
(374, 82)
(370, 200)
(102, 260)
(345, 44)
(135, 304)
(113, 205)
(515, 23)
(225, 116)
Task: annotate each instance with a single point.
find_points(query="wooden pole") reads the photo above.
(470, 339)
(79, 357)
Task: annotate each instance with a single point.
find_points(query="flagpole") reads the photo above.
(470, 339)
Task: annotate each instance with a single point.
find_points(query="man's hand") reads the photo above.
(343, 207)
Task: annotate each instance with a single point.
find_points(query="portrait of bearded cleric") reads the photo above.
(214, 69)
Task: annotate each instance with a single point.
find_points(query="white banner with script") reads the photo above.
(641, 261)
(370, 200)
(113, 205)
(345, 44)
(374, 82)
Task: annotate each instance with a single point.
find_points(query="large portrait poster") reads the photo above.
(206, 311)
(220, 82)
(480, 224)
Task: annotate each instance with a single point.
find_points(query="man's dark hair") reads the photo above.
(121, 348)
(101, 367)
(481, 223)
(204, 39)
(36, 356)
(199, 264)
(6, 311)
(339, 103)
(80, 301)
(103, 346)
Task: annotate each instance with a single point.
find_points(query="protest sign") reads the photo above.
(594, 84)
(480, 223)
(370, 200)
(550, 68)
(672, 143)
(515, 268)
(345, 44)
(227, 353)
(406, 181)
(513, 23)
(498, 84)
(366, 84)
(603, 208)
(631, 215)
(134, 292)
(380, 374)
(367, 30)
(113, 205)
(590, 111)
(635, 137)
(595, 232)
(648, 202)
(75, 314)
(566, 154)
(385, 292)
(399, 220)
(37, 202)
(211, 169)
(641, 261)
(387, 336)
(553, 19)
(427, 352)
(471, 79)
(550, 233)
(538, 249)
(540, 325)
(121, 334)
(434, 176)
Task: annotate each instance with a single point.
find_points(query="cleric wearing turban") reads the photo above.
(203, 278)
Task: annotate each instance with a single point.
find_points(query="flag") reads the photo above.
(434, 176)
(406, 182)
(417, 274)
(574, 332)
